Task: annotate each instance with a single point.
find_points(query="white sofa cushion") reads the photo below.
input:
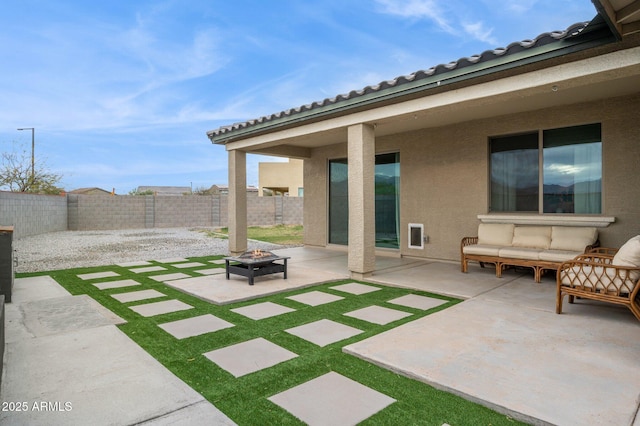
(532, 237)
(558, 255)
(481, 249)
(496, 234)
(629, 255)
(572, 238)
(520, 253)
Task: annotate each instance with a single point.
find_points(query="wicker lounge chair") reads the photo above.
(604, 274)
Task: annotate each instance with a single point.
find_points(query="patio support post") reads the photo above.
(361, 159)
(237, 202)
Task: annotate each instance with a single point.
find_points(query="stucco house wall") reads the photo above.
(444, 174)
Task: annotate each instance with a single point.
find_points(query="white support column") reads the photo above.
(237, 202)
(361, 158)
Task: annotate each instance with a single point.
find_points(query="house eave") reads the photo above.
(592, 35)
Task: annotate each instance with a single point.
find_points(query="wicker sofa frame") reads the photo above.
(501, 263)
(593, 276)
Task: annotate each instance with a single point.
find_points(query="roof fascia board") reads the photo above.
(511, 61)
(608, 13)
(558, 74)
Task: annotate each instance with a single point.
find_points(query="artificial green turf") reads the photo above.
(244, 399)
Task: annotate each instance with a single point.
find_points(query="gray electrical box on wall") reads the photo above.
(6, 262)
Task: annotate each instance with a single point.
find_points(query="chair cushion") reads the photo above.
(572, 238)
(520, 253)
(558, 255)
(629, 255)
(532, 237)
(496, 234)
(481, 249)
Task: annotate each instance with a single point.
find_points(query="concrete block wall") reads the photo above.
(178, 212)
(32, 214)
(98, 212)
(38, 214)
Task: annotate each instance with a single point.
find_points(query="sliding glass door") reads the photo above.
(387, 201)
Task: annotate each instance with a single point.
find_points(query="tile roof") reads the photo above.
(416, 81)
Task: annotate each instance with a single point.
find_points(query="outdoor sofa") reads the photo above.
(605, 274)
(538, 247)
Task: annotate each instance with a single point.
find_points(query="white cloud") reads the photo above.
(416, 9)
(478, 31)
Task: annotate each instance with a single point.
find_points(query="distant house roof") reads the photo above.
(166, 190)
(224, 189)
(90, 191)
(548, 45)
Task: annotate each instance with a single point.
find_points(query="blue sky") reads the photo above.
(121, 93)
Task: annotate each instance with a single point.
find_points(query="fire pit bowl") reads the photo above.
(256, 263)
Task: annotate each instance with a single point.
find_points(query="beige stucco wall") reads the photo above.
(444, 174)
(281, 175)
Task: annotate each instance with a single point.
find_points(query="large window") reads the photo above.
(387, 201)
(557, 171)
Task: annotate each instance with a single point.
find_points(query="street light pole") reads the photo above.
(33, 148)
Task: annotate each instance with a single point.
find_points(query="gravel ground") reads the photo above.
(72, 249)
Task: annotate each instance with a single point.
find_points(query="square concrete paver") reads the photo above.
(148, 269)
(315, 298)
(355, 288)
(195, 326)
(158, 308)
(332, 399)
(378, 314)
(134, 263)
(324, 332)
(250, 356)
(170, 277)
(115, 284)
(188, 265)
(418, 302)
(134, 296)
(262, 310)
(94, 275)
(173, 260)
(218, 261)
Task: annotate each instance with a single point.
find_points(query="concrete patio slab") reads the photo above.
(315, 298)
(445, 278)
(355, 288)
(200, 413)
(169, 277)
(94, 375)
(332, 399)
(324, 332)
(250, 356)
(195, 326)
(95, 275)
(417, 302)
(116, 284)
(532, 364)
(148, 269)
(217, 289)
(135, 296)
(378, 315)
(159, 308)
(36, 288)
(263, 310)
